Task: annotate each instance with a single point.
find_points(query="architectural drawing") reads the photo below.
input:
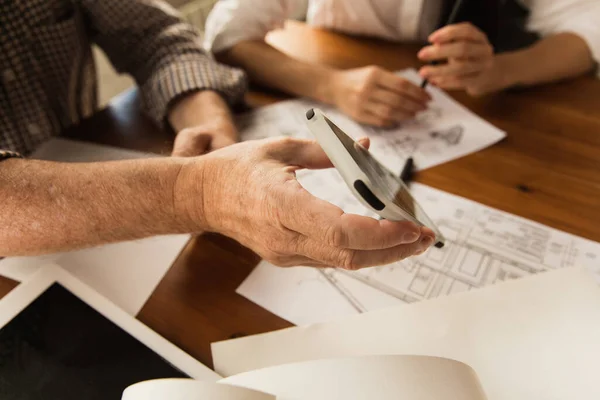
(484, 246)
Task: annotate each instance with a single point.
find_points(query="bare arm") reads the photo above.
(554, 58)
(247, 191)
(48, 207)
(270, 67)
(370, 95)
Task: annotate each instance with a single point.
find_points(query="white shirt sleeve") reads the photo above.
(233, 21)
(581, 17)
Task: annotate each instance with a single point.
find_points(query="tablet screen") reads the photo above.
(59, 347)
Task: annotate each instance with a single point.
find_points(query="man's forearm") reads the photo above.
(552, 59)
(48, 207)
(270, 67)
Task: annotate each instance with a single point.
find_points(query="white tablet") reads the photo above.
(375, 186)
(61, 340)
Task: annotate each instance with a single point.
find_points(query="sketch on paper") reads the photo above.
(484, 246)
(451, 136)
(444, 132)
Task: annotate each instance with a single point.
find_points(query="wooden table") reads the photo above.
(548, 170)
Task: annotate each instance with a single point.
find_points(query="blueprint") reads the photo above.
(484, 246)
(444, 132)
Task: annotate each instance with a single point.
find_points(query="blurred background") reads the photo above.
(111, 83)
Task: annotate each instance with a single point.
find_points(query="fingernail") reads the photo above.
(426, 241)
(411, 237)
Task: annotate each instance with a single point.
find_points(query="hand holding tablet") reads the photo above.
(375, 186)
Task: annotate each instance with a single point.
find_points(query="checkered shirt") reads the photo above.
(47, 74)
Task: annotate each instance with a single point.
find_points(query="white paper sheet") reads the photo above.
(126, 273)
(484, 246)
(443, 133)
(365, 378)
(188, 389)
(534, 338)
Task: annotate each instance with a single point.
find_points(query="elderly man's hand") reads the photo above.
(249, 192)
(203, 123)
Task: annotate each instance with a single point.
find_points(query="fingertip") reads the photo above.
(426, 242)
(427, 237)
(364, 142)
(437, 36)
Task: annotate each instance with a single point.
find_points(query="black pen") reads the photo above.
(451, 20)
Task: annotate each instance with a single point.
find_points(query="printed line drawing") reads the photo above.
(483, 246)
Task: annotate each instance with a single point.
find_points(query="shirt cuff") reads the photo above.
(6, 154)
(190, 73)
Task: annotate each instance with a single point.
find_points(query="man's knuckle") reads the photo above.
(335, 237)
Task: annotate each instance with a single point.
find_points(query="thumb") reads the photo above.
(309, 154)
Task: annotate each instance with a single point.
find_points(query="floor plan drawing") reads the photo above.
(483, 246)
(445, 131)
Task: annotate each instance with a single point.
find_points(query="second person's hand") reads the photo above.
(375, 96)
(471, 63)
(249, 192)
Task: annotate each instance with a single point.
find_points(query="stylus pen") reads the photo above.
(407, 171)
(451, 19)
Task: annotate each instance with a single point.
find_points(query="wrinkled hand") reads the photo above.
(249, 192)
(202, 139)
(377, 97)
(471, 63)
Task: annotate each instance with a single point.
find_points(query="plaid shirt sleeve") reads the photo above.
(148, 40)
